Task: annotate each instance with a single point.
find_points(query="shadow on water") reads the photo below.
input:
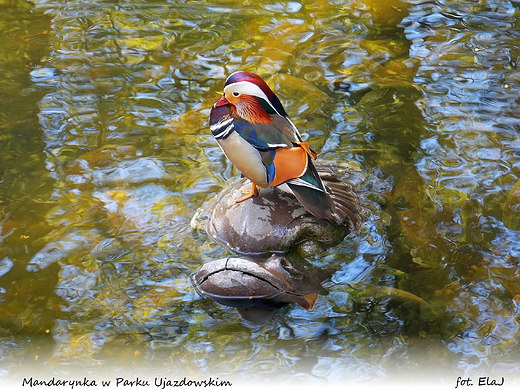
(106, 156)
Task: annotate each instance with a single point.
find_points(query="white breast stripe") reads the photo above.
(222, 129)
(219, 124)
(223, 134)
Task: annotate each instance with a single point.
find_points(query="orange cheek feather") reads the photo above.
(248, 108)
(289, 164)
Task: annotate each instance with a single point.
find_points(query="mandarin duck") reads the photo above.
(254, 132)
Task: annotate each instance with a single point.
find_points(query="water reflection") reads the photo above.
(107, 155)
(470, 159)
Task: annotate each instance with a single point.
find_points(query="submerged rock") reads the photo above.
(258, 288)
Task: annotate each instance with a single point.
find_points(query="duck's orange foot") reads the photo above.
(250, 193)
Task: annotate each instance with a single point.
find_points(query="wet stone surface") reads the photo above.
(264, 228)
(275, 222)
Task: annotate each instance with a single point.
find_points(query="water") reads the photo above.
(106, 156)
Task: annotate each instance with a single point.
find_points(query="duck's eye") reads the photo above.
(235, 93)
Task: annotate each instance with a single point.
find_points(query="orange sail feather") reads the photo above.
(289, 164)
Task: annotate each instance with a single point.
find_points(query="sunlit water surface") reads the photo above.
(106, 155)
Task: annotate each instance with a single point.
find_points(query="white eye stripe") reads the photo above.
(245, 87)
